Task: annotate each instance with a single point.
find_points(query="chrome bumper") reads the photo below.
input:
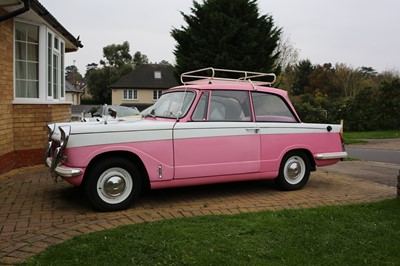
(62, 171)
(53, 157)
(331, 155)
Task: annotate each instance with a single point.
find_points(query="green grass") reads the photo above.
(363, 234)
(361, 137)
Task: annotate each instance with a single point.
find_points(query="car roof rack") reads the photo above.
(212, 75)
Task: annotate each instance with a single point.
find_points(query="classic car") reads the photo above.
(214, 128)
(110, 112)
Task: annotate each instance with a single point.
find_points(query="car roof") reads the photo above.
(231, 86)
(211, 78)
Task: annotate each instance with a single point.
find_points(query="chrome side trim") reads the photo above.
(331, 155)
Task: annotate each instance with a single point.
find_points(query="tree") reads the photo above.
(368, 71)
(388, 107)
(99, 80)
(139, 58)
(320, 81)
(90, 68)
(72, 74)
(288, 54)
(348, 80)
(360, 113)
(116, 63)
(301, 74)
(117, 55)
(227, 34)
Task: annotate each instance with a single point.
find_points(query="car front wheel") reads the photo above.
(113, 184)
(294, 171)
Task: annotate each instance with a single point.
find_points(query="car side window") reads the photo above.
(223, 105)
(200, 113)
(271, 108)
(229, 106)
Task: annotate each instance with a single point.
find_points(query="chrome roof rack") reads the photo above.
(211, 75)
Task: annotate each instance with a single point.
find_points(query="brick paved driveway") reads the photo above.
(35, 213)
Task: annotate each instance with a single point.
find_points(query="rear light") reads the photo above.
(341, 129)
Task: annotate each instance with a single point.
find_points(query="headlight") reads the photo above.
(65, 132)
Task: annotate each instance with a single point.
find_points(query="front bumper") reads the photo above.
(62, 171)
(331, 155)
(54, 154)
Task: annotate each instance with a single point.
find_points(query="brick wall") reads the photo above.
(6, 95)
(30, 131)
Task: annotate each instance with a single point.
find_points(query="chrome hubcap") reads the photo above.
(114, 186)
(294, 170)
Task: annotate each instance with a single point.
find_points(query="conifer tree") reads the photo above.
(227, 34)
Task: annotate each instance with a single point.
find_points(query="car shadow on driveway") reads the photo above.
(73, 199)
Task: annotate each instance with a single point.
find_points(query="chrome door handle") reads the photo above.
(255, 129)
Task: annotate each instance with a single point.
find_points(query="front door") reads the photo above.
(220, 140)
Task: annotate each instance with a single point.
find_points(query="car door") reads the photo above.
(277, 124)
(220, 140)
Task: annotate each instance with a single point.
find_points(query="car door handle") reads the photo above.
(255, 129)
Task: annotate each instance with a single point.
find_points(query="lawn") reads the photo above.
(360, 137)
(362, 234)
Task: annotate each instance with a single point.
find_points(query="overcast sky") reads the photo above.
(355, 32)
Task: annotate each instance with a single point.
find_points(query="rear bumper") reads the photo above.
(331, 155)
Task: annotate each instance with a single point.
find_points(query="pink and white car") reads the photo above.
(209, 130)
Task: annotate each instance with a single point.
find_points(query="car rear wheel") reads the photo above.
(113, 184)
(294, 171)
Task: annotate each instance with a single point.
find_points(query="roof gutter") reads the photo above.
(39, 9)
(45, 14)
(17, 12)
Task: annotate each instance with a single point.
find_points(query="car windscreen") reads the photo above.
(173, 104)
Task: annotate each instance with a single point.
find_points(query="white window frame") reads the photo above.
(158, 94)
(26, 61)
(157, 74)
(130, 94)
(43, 96)
(57, 89)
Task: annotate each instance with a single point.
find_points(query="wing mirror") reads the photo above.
(112, 113)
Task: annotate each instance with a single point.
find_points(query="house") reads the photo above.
(85, 91)
(72, 94)
(143, 86)
(33, 46)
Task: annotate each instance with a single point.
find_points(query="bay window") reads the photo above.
(55, 67)
(39, 64)
(26, 60)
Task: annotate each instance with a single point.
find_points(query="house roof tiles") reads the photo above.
(71, 88)
(144, 77)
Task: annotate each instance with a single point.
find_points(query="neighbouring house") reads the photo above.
(33, 45)
(72, 94)
(85, 91)
(143, 86)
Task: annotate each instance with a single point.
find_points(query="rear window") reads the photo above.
(271, 108)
